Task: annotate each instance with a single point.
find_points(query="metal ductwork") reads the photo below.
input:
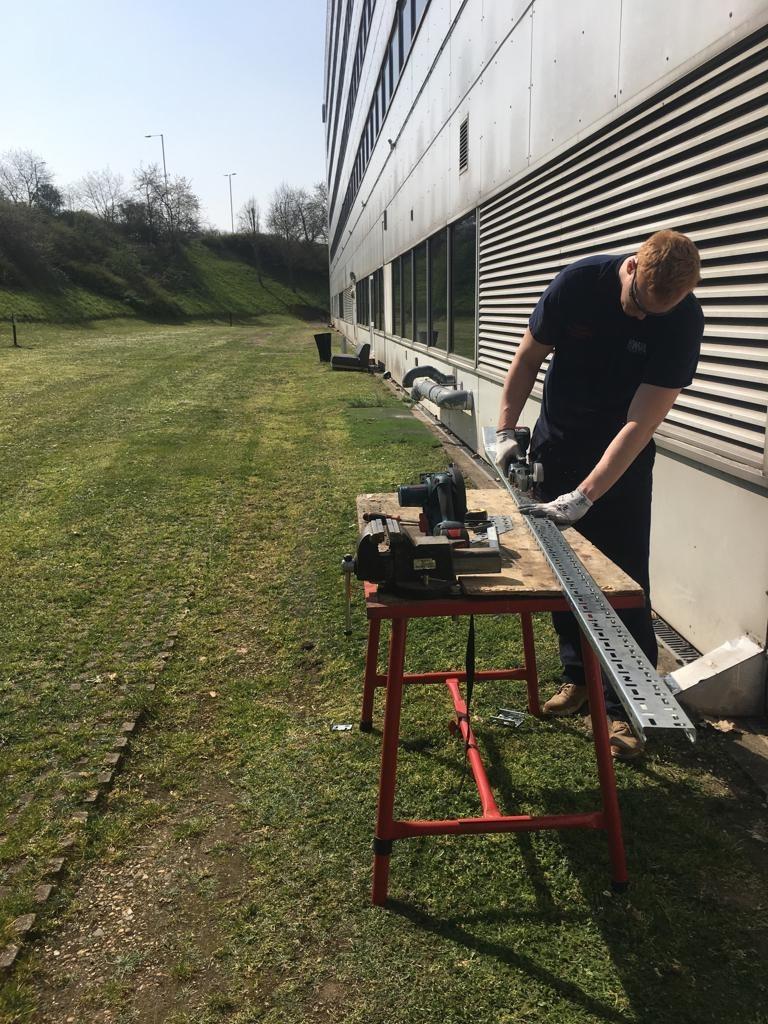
(445, 398)
(428, 371)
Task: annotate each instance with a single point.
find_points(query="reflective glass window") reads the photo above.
(406, 28)
(438, 289)
(463, 286)
(396, 324)
(407, 272)
(420, 310)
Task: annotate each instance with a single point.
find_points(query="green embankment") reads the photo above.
(75, 268)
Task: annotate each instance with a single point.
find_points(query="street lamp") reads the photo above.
(162, 143)
(231, 208)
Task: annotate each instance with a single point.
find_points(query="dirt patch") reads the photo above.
(142, 939)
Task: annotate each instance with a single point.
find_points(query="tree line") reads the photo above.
(153, 206)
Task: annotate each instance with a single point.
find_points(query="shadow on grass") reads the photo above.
(460, 933)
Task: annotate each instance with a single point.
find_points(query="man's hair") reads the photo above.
(669, 263)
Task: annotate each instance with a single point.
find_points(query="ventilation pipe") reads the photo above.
(438, 388)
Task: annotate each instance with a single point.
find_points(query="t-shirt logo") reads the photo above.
(637, 348)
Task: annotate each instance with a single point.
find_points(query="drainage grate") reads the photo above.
(676, 644)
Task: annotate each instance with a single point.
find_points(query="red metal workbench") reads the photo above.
(525, 586)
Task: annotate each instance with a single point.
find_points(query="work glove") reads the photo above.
(563, 511)
(507, 450)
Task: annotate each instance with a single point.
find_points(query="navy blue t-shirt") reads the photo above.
(602, 355)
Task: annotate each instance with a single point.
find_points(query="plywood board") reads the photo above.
(525, 571)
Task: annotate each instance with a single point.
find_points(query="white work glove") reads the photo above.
(563, 511)
(507, 450)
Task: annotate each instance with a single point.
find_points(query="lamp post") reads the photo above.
(231, 207)
(162, 143)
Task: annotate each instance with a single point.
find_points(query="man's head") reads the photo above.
(665, 270)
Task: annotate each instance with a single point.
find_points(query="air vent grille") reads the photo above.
(464, 145)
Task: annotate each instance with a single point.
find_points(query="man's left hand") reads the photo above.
(563, 511)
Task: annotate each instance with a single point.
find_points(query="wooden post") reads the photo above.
(13, 328)
(230, 316)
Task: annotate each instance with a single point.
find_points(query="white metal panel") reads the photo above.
(469, 47)
(574, 68)
(658, 36)
(499, 19)
(500, 109)
(706, 569)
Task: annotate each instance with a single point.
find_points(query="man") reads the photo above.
(625, 333)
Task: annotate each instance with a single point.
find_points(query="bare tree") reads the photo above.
(25, 178)
(102, 192)
(171, 207)
(283, 216)
(316, 214)
(249, 217)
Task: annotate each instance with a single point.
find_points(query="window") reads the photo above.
(438, 289)
(396, 303)
(419, 7)
(406, 29)
(380, 298)
(363, 310)
(407, 279)
(395, 54)
(463, 275)
(420, 293)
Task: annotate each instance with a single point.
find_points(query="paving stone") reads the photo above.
(23, 924)
(120, 743)
(42, 892)
(8, 957)
(112, 759)
(91, 796)
(80, 817)
(105, 779)
(128, 726)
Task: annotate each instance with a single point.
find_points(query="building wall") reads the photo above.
(535, 78)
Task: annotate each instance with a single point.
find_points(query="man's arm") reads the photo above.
(520, 379)
(648, 409)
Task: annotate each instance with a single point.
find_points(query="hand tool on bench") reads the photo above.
(647, 697)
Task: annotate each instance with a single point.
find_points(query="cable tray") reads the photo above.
(645, 695)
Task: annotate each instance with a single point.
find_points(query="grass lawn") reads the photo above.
(197, 484)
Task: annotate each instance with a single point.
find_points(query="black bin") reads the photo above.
(323, 342)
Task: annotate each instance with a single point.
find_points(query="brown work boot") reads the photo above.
(569, 699)
(625, 746)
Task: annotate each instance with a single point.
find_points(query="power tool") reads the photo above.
(520, 472)
(427, 562)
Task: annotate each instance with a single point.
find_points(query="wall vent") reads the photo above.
(464, 145)
(677, 645)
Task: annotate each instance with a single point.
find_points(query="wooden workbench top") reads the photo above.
(525, 571)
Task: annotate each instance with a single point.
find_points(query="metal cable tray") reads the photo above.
(646, 696)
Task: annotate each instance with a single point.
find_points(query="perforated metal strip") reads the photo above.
(644, 694)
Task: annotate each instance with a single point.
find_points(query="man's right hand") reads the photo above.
(507, 450)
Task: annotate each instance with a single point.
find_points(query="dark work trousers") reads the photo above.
(619, 525)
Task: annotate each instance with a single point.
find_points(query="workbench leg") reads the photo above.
(382, 843)
(611, 812)
(371, 669)
(531, 671)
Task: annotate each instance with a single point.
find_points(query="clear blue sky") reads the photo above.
(234, 86)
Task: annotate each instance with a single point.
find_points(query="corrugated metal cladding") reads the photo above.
(349, 306)
(692, 158)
